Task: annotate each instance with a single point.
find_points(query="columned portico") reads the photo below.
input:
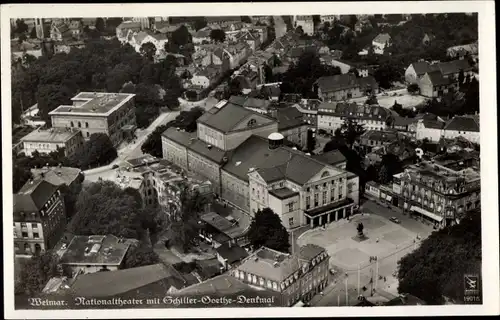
(329, 213)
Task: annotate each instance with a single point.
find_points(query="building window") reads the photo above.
(324, 197)
(24, 234)
(308, 202)
(290, 206)
(36, 235)
(86, 124)
(16, 247)
(23, 225)
(290, 222)
(88, 134)
(79, 124)
(34, 225)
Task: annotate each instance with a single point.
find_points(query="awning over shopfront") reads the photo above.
(427, 213)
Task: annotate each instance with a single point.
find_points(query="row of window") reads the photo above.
(25, 234)
(325, 184)
(79, 124)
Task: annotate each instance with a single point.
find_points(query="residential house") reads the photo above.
(261, 19)
(309, 108)
(238, 54)
(219, 21)
(345, 86)
(459, 52)
(450, 69)
(91, 254)
(372, 139)
(331, 116)
(126, 30)
(219, 57)
(263, 32)
(76, 27)
(433, 84)
(202, 36)
(297, 277)
(59, 31)
(363, 25)
(463, 126)
(58, 176)
(39, 217)
(431, 129)
(306, 22)
(247, 78)
(381, 42)
(252, 38)
(68, 46)
(206, 77)
(45, 141)
(401, 148)
(142, 37)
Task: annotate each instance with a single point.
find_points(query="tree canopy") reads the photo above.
(186, 120)
(267, 230)
(37, 271)
(103, 65)
(97, 151)
(436, 269)
(140, 256)
(218, 35)
(104, 208)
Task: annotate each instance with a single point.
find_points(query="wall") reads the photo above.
(340, 94)
(411, 75)
(210, 136)
(205, 168)
(235, 191)
(297, 135)
(234, 139)
(282, 209)
(175, 153)
(429, 133)
(372, 190)
(469, 135)
(353, 189)
(31, 229)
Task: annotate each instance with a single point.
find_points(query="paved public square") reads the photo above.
(384, 238)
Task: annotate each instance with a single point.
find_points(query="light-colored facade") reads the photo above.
(50, 140)
(429, 130)
(306, 22)
(98, 112)
(296, 277)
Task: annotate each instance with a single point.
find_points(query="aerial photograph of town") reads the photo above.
(246, 161)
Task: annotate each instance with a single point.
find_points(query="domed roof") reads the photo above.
(276, 136)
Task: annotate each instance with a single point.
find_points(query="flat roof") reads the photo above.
(283, 193)
(55, 135)
(95, 103)
(101, 250)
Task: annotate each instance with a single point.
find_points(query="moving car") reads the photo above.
(395, 220)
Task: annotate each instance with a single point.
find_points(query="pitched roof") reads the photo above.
(332, 158)
(105, 284)
(455, 66)
(289, 118)
(462, 123)
(190, 141)
(354, 110)
(227, 117)
(130, 25)
(422, 67)
(271, 164)
(437, 79)
(382, 38)
(433, 124)
(278, 266)
(33, 195)
(344, 81)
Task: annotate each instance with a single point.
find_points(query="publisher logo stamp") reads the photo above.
(472, 287)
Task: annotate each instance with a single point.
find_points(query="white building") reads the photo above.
(50, 140)
(464, 126)
(381, 42)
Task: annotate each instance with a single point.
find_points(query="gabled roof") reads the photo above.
(233, 253)
(433, 124)
(437, 79)
(422, 67)
(382, 38)
(332, 158)
(106, 284)
(462, 123)
(33, 196)
(454, 66)
(289, 118)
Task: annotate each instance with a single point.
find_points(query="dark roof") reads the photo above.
(33, 196)
(57, 175)
(271, 164)
(289, 118)
(433, 124)
(233, 253)
(403, 121)
(454, 66)
(190, 141)
(384, 136)
(343, 81)
(309, 251)
(105, 284)
(283, 193)
(437, 79)
(462, 123)
(422, 67)
(332, 158)
(223, 225)
(227, 117)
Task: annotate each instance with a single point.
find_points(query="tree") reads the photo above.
(383, 175)
(184, 219)
(119, 75)
(372, 100)
(268, 74)
(218, 35)
(140, 256)
(104, 208)
(351, 130)
(200, 23)
(413, 88)
(181, 36)
(21, 26)
(33, 33)
(311, 141)
(99, 24)
(299, 30)
(436, 269)
(97, 151)
(266, 230)
(21, 175)
(51, 96)
(386, 74)
(22, 38)
(153, 144)
(148, 50)
(37, 271)
(246, 19)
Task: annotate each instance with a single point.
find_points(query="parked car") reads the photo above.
(395, 220)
